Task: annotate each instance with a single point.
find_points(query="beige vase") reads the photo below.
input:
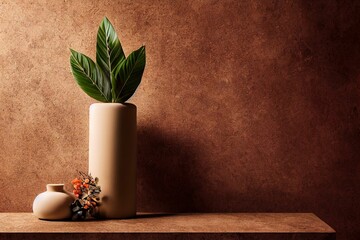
(112, 157)
(54, 204)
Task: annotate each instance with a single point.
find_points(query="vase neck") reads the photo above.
(55, 187)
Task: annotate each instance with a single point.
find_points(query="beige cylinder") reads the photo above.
(112, 157)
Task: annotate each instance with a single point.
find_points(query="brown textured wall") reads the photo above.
(244, 105)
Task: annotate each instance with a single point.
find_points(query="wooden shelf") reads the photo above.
(171, 226)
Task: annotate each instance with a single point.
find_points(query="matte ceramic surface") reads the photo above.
(112, 157)
(54, 204)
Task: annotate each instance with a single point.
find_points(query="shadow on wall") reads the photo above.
(335, 37)
(168, 172)
(174, 176)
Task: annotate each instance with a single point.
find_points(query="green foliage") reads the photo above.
(113, 78)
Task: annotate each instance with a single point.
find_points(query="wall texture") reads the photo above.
(244, 105)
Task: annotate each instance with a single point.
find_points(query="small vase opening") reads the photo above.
(55, 187)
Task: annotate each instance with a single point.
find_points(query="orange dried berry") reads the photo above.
(76, 191)
(86, 185)
(87, 180)
(75, 181)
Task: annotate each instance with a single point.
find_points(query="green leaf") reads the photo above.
(109, 52)
(128, 74)
(89, 77)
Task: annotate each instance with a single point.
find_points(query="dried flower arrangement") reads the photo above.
(87, 198)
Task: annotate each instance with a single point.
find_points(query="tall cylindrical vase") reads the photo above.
(112, 157)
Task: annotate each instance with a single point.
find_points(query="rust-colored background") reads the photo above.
(244, 106)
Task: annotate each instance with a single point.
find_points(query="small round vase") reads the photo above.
(54, 204)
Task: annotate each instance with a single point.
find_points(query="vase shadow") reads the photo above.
(168, 173)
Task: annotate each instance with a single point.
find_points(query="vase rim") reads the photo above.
(55, 187)
(113, 105)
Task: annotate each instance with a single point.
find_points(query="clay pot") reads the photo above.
(54, 204)
(112, 157)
